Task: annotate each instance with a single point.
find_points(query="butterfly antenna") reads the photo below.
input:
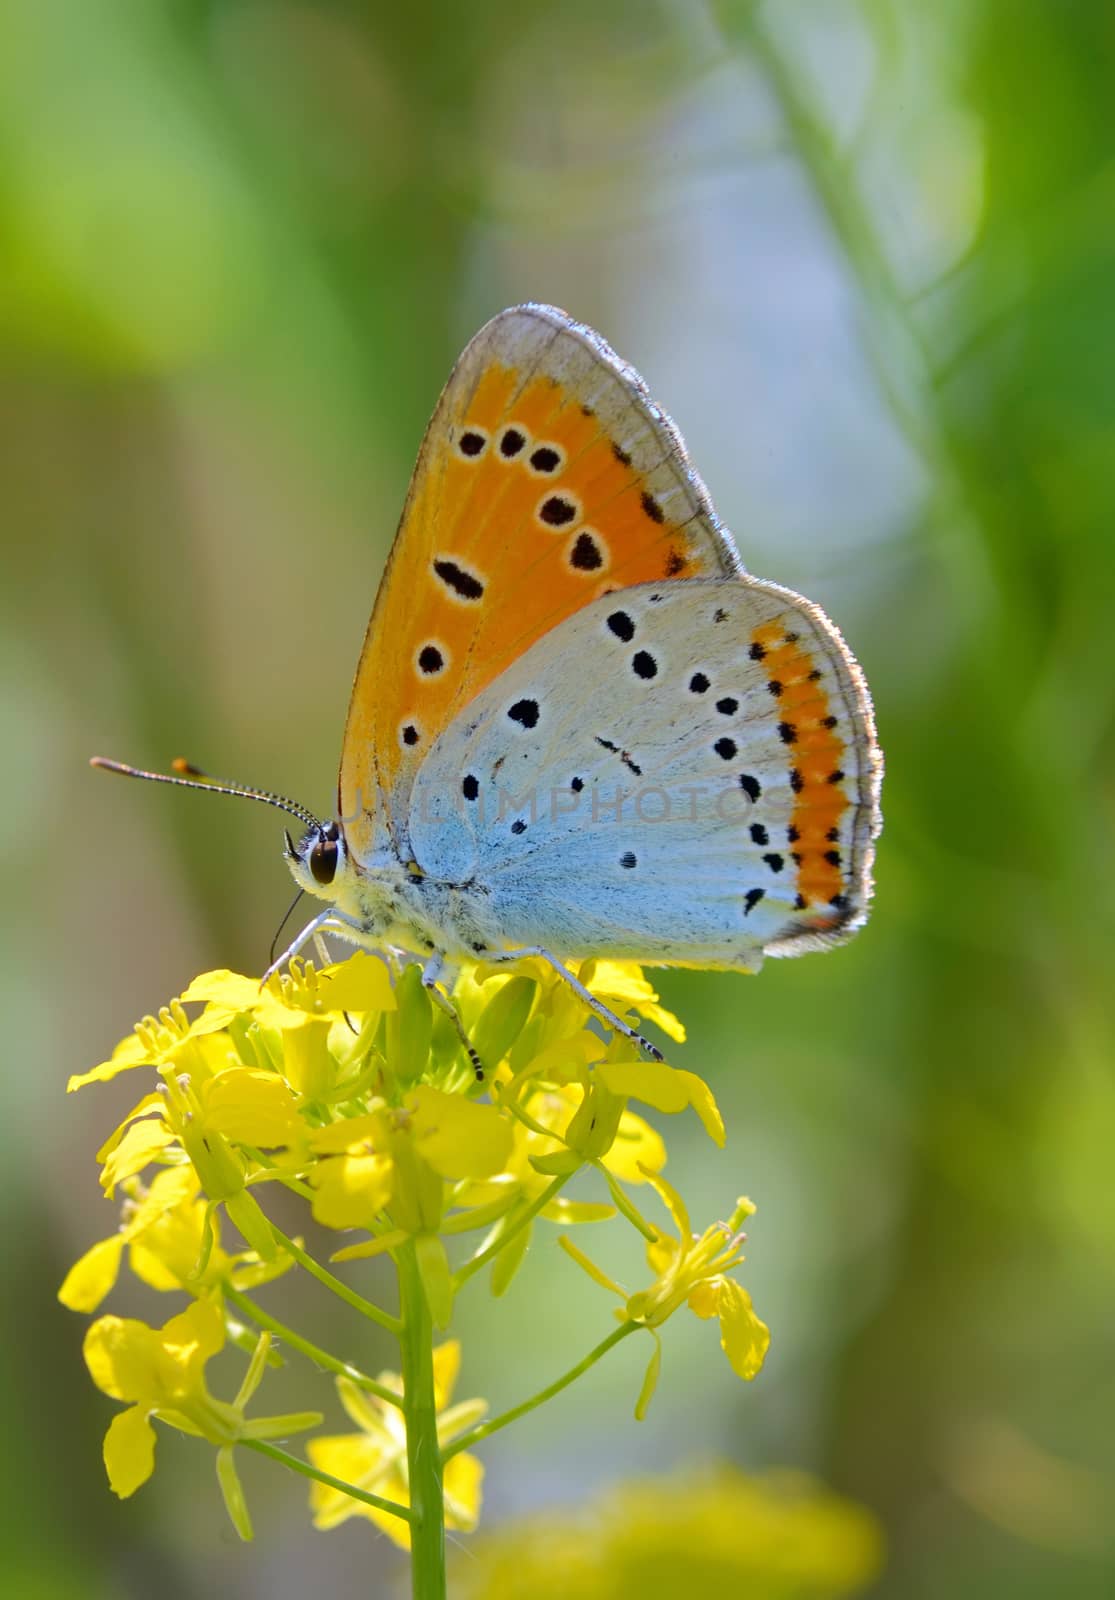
(187, 776)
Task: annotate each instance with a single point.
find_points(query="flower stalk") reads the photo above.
(424, 1463)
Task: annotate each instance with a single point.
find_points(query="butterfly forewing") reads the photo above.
(681, 773)
(547, 478)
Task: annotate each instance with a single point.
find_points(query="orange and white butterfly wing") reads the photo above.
(682, 774)
(546, 478)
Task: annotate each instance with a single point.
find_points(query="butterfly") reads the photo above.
(578, 727)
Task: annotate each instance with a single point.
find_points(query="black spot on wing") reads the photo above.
(430, 660)
(524, 712)
(585, 554)
(463, 583)
(557, 511)
(471, 443)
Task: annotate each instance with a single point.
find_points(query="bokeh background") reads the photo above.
(865, 254)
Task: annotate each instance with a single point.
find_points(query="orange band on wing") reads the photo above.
(814, 754)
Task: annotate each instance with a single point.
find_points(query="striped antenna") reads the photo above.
(187, 776)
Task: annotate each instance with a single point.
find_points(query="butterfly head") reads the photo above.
(319, 862)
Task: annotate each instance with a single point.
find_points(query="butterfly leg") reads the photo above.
(597, 1006)
(431, 972)
(325, 921)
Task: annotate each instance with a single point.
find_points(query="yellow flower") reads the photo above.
(173, 1242)
(717, 1533)
(691, 1269)
(160, 1373)
(304, 999)
(393, 1159)
(375, 1458)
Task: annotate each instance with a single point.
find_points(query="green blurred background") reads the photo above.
(865, 254)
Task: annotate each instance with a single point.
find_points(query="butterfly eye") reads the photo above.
(324, 856)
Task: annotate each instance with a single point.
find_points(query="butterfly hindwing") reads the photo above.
(547, 477)
(684, 773)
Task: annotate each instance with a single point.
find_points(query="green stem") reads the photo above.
(484, 1429)
(341, 1290)
(528, 1215)
(296, 1464)
(424, 1469)
(320, 1358)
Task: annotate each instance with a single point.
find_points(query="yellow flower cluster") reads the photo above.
(349, 1088)
(716, 1532)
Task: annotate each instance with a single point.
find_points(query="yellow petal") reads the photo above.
(306, 1059)
(129, 1451)
(464, 1475)
(150, 1102)
(666, 1088)
(744, 1338)
(349, 1135)
(366, 1410)
(459, 1138)
(350, 1191)
(447, 1364)
(619, 980)
(136, 1150)
(362, 983)
(624, 981)
(251, 1107)
(93, 1275)
(354, 1459)
(165, 1192)
(704, 1298)
(150, 1267)
(224, 988)
(194, 1335)
(128, 1053)
(672, 1026)
(560, 1061)
(122, 1357)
